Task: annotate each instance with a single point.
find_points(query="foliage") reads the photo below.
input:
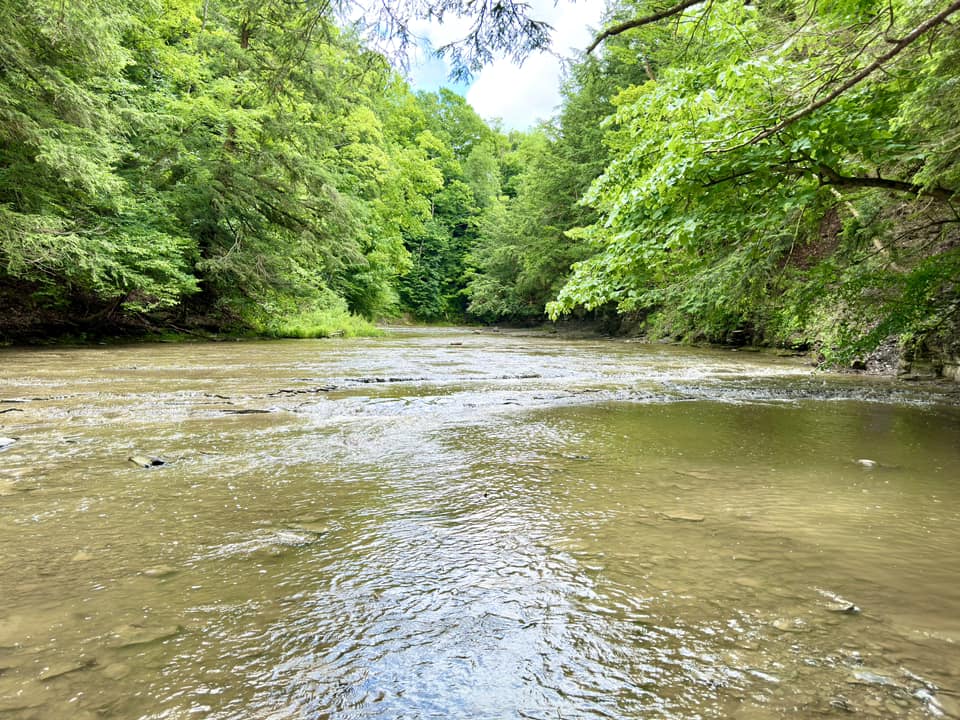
(524, 253)
(227, 160)
(69, 221)
(722, 175)
(772, 172)
(464, 150)
(326, 317)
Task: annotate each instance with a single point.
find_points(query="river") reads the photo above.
(461, 524)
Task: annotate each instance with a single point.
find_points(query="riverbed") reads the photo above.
(452, 523)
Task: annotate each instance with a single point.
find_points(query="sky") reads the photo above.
(518, 96)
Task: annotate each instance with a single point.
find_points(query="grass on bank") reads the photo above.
(324, 322)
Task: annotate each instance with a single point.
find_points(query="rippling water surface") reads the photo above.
(450, 524)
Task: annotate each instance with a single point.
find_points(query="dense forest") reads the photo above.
(780, 173)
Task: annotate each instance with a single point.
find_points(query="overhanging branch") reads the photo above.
(898, 47)
(829, 176)
(640, 22)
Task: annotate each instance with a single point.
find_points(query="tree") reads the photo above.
(74, 232)
(524, 253)
(462, 147)
(761, 124)
(232, 161)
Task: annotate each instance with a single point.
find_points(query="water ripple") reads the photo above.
(505, 527)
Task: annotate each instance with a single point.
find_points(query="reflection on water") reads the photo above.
(461, 525)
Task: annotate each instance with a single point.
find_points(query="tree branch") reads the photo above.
(829, 176)
(640, 22)
(901, 45)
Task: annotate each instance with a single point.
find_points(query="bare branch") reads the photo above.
(640, 22)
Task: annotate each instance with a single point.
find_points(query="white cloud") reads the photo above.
(574, 24)
(520, 96)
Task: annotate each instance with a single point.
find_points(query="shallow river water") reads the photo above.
(457, 524)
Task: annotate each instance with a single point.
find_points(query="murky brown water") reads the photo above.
(455, 525)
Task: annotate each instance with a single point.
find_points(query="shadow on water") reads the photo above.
(461, 525)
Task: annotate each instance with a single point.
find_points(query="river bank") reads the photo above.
(892, 359)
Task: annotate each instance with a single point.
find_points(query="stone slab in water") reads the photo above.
(65, 668)
(684, 517)
(146, 462)
(130, 635)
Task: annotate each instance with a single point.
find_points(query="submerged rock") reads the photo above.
(160, 571)
(272, 544)
(17, 486)
(311, 526)
(55, 671)
(944, 704)
(683, 517)
(19, 703)
(794, 625)
(16, 631)
(130, 635)
(698, 474)
(839, 702)
(116, 671)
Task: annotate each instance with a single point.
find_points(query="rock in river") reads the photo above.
(146, 462)
(791, 625)
(837, 604)
(6, 442)
(683, 517)
(65, 668)
(313, 527)
(160, 571)
(129, 635)
(868, 677)
(116, 671)
(7, 487)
